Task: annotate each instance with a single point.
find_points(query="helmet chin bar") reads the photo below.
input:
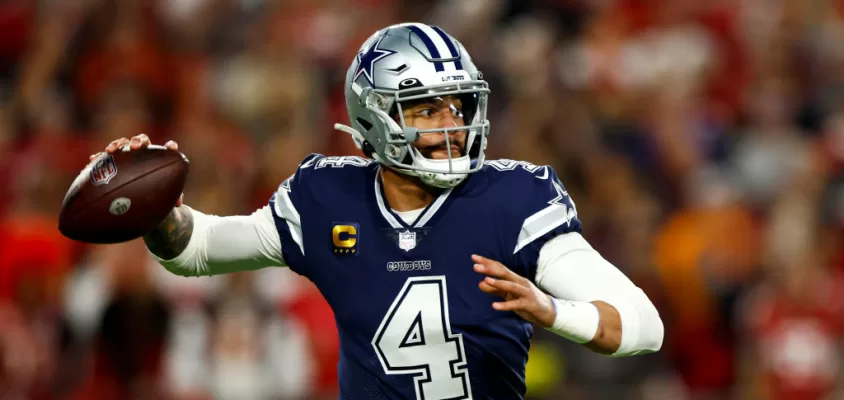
(442, 173)
(424, 170)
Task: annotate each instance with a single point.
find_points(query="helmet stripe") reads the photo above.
(450, 45)
(428, 40)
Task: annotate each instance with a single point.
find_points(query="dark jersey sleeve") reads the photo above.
(544, 210)
(288, 204)
(299, 205)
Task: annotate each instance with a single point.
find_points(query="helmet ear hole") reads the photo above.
(368, 150)
(364, 124)
(366, 147)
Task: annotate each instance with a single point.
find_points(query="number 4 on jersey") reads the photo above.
(415, 338)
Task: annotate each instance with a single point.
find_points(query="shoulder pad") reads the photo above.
(518, 176)
(321, 179)
(319, 161)
(518, 168)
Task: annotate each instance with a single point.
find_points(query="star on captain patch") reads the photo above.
(407, 240)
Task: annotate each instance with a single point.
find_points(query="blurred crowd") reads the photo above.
(703, 142)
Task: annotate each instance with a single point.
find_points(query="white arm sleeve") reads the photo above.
(219, 245)
(570, 269)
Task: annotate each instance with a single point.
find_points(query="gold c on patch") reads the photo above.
(345, 238)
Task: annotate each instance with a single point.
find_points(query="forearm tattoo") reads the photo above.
(173, 234)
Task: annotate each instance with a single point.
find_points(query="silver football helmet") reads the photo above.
(405, 63)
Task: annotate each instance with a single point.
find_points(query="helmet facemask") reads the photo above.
(399, 152)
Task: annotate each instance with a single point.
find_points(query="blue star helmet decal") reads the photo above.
(368, 58)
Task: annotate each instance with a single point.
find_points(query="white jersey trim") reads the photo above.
(391, 219)
(541, 223)
(432, 209)
(284, 209)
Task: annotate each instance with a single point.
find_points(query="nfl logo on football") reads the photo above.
(103, 171)
(407, 240)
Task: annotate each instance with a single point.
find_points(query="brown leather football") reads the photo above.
(121, 196)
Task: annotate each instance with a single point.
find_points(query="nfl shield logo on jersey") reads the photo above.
(407, 240)
(103, 171)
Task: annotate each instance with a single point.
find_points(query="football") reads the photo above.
(121, 196)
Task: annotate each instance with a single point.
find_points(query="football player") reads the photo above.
(436, 262)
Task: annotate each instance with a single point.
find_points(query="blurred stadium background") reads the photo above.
(703, 142)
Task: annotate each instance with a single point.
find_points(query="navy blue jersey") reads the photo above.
(413, 323)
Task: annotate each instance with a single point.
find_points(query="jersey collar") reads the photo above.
(397, 222)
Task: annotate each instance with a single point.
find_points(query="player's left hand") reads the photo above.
(520, 294)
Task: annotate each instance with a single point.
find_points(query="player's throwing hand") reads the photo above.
(521, 295)
(137, 142)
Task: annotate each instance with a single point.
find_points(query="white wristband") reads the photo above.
(576, 320)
